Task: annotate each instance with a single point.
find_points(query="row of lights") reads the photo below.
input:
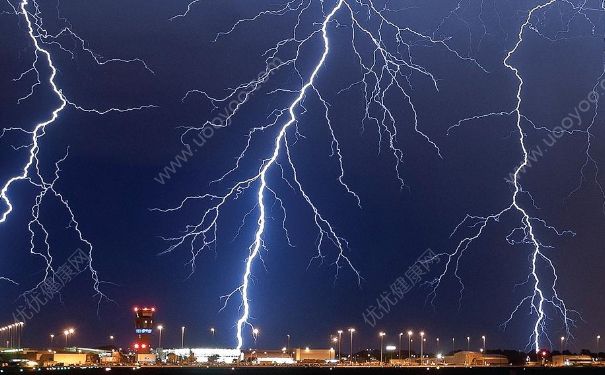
(12, 333)
(11, 326)
(410, 333)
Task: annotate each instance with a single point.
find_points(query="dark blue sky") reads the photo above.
(113, 160)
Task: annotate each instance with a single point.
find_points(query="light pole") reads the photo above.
(19, 332)
(111, 337)
(182, 337)
(339, 341)
(453, 345)
(68, 332)
(213, 331)
(334, 340)
(410, 333)
(421, 346)
(598, 339)
(468, 343)
(562, 341)
(160, 328)
(483, 338)
(351, 331)
(437, 351)
(52, 339)
(381, 334)
(400, 336)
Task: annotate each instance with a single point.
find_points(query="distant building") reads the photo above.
(203, 355)
(466, 358)
(72, 359)
(572, 360)
(268, 357)
(314, 355)
(146, 358)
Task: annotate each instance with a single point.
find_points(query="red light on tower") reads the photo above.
(144, 326)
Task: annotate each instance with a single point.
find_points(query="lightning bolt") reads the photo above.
(31, 171)
(543, 293)
(386, 71)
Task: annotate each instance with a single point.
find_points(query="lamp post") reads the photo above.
(19, 332)
(212, 331)
(598, 339)
(483, 338)
(111, 338)
(160, 328)
(453, 345)
(410, 333)
(437, 351)
(468, 343)
(182, 337)
(421, 346)
(381, 334)
(68, 332)
(400, 336)
(562, 341)
(339, 341)
(351, 331)
(288, 344)
(52, 339)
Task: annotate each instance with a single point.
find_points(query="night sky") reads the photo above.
(110, 176)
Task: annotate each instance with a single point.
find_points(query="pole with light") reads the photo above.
(381, 334)
(483, 338)
(399, 353)
(410, 333)
(182, 337)
(421, 346)
(339, 341)
(160, 328)
(351, 331)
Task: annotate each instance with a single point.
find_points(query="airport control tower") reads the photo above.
(144, 318)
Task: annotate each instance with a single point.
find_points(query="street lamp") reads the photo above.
(399, 353)
(468, 343)
(381, 334)
(562, 341)
(351, 331)
(213, 331)
(437, 351)
(182, 337)
(598, 339)
(483, 338)
(339, 341)
(410, 333)
(453, 345)
(111, 337)
(160, 328)
(68, 332)
(421, 346)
